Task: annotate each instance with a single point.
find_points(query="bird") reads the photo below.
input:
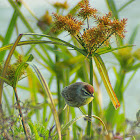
(78, 94)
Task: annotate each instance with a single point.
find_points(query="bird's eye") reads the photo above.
(85, 92)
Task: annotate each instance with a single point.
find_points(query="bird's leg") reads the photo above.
(88, 117)
(60, 111)
(65, 107)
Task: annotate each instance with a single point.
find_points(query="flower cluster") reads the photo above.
(45, 21)
(59, 5)
(85, 10)
(118, 27)
(104, 20)
(94, 37)
(11, 70)
(127, 57)
(68, 23)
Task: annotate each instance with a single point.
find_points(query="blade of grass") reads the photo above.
(48, 93)
(129, 80)
(9, 33)
(62, 41)
(104, 75)
(30, 42)
(106, 50)
(8, 107)
(6, 65)
(16, 7)
(42, 42)
(125, 5)
(133, 36)
(111, 114)
(112, 7)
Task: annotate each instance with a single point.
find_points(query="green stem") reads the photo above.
(90, 104)
(60, 102)
(67, 112)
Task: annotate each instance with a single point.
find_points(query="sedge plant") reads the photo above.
(90, 34)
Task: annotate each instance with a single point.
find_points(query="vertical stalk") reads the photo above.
(90, 104)
(59, 98)
(21, 115)
(60, 104)
(67, 112)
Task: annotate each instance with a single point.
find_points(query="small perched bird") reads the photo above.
(78, 94)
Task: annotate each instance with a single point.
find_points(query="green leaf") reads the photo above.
(24, 20)
(104, 75)
(134, 67)
(121, 125)
(125, 5)
(48, 93)
(5, 80)
(112, 7)
(9, 33)
(133, 36)
(19, 69)
(107, 50)
(7, 63)
(129, 80)
(34, 131)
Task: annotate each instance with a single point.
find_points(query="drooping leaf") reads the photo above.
(48, 93)
(104, 75)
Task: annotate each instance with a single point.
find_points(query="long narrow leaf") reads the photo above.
(133, 35)
(9, 33)
(16, 7)
(105, 50)
(60, 40)
(125, 5)
(6, 65)
(48, 93)
(112, 7)
(19, 69)
(42, 42)
(56, 41)
(5, 80)
(104, 75)
(29, 42)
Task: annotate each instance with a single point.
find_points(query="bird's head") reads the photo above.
(87, 91)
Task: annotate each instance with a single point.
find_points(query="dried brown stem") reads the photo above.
(21, 115)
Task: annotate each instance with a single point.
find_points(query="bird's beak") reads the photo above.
(92, 95)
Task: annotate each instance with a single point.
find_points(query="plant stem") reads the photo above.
(60, 104)
(21, 115)
(90, 104)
